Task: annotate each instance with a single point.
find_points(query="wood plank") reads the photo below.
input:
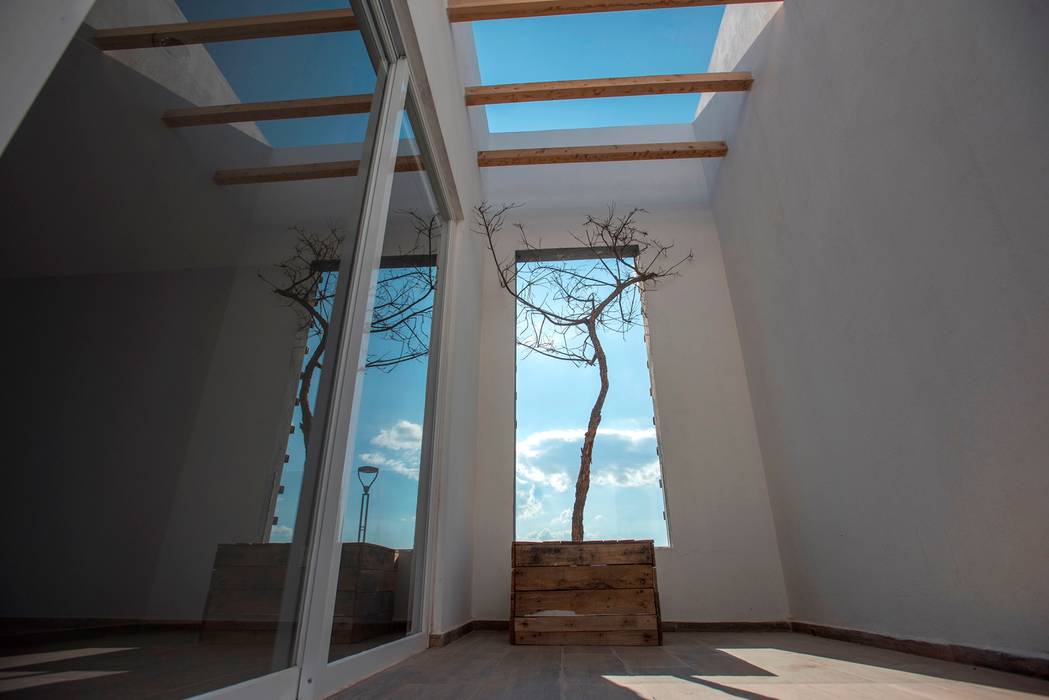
(554, 578)
(586, 623)
(262, 111)
(623, 601)
(249, 577)
(263, 604)
(367, 580)
(608, 87)
(602, 154)
(621, 638)
(307, 171)
(474, 10)
(583, 553)
(235, 29)
(272, 554)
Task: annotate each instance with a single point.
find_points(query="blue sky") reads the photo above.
(599, 45)
(294, 67)
(554, 399)
(389, 436)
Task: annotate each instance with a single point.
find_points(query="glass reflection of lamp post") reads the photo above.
(362, 521)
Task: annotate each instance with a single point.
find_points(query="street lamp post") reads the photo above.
(371, 474)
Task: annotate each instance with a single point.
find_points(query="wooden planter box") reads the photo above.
(601, 592)
(247, 587)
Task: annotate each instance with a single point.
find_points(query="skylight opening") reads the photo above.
(599, 45)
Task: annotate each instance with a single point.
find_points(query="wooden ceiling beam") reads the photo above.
(261, 27)
(602, 154)
(307, 171)
(262, 111)
(474, 10)
(608, 87)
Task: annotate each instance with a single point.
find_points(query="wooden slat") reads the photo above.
(620, 638)
(261, 111)
(473, 10)
(261, 27)
(554, 578)
(586, 623)
(248, 577)
(583, 553)
(257, 605)
(367, 580)
(274, 554)
(308, 171)
(602, 154)
(608, 87)
(624, 601)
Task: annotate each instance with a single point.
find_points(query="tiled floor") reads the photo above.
(690, 665)
(158, 665)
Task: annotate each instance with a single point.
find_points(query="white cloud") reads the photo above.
(565, 517)
(558, 481)
(532, 446)
(528, 506)
(403, 436)
(281, 533)
(646, 475)
(396, 466)
(533, 458)
(545, 534)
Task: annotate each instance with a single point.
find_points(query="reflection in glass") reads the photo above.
(374, 603)
(160, 464)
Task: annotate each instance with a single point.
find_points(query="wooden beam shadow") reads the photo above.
(306, 171)
(262, 111)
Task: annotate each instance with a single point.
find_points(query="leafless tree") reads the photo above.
(565, 306)
(402, 309)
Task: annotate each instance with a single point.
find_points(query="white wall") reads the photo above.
(723, 564)
(33, 35)
(882, 216)
(155, 366)
(458, 379)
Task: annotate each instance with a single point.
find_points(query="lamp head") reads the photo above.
(367, 476)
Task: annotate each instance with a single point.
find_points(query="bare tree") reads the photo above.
(402, 309)
(564, 306)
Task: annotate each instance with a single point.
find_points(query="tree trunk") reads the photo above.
(306, 411)
(586, 455)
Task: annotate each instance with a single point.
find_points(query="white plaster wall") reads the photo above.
(188, 71)
(156, 366)
(33, 35)
(882, 216)
(740, 26)
(723, 563)
(458, 385)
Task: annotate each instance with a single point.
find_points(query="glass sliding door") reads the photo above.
(382, 469)
(180, 220)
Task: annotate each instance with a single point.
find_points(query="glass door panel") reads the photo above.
(172, 285)
(374, 603)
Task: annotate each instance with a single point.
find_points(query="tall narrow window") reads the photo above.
(554, 403)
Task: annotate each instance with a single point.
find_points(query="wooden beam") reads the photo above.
(235, 29)
(261, 111)
(473, 10)
(308, 171)
(602, 154)
(608, 87)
